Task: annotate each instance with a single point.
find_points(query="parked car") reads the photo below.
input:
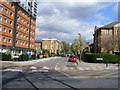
(64, 55)
(72, 59)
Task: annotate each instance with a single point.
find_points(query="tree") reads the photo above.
(108, 43)
(77, 46)
(66, 47)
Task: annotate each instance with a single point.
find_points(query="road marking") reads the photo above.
(57, 64)
(33, 67)
(40, 70)
(45, 68)
(106, 75)
(13, 70)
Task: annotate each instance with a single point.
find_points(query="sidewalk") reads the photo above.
(4, 64)
(96, 66)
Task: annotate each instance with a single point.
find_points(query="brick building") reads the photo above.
(51, 44)
(17, 26)
(107, 37)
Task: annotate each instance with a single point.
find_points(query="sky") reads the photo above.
(63, 20)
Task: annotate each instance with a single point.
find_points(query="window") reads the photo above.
(107, 32)
(5, 20)
(16, 42)
(1, 8)
(17, 26)
(0, 18)
(4, 39)
(116, 32)
(11, 14)
(18, 17)
(6, 11)
(16, 33)
(26, 44)
(0, 28)
(21, 35)
(12, 5)
(45, 46)
(4, 30)
(10, 22)
(27, 37)
(21, 43)
(9, 40)
(10, 31)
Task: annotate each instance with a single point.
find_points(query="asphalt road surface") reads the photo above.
(58, 73)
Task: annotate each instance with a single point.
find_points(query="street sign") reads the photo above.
(99, 58)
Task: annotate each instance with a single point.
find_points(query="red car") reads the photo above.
(72, 59)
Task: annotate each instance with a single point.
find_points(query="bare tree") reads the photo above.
(108, 43)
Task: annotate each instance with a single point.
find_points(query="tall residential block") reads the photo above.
(17, 26)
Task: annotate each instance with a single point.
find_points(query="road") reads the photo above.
(58, 73)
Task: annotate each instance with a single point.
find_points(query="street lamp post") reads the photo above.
(79, 53)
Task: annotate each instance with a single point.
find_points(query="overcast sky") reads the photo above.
(64, 20)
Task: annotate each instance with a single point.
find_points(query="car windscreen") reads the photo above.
(72, 56)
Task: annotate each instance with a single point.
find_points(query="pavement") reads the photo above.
(80, 65)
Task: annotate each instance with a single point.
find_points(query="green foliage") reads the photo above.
(33, 56)
(110, 58)
(5, 56)
(38, 56)
(66, 47)
(23, 57)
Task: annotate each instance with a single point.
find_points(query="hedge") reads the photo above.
(23, 57)
(5, 57)
(110, 58)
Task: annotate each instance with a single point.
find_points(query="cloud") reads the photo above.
(64, 21)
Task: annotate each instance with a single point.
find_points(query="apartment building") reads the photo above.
(51, 44)
(106, 38)
(17, 26)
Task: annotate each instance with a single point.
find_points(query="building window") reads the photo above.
(116, 32)
(5, 20)
(16, 33)
(11, 14)
(4, 39)
(27, 37)
(18, 17)
(21, 43)
(107, 32)
(6, 11)
(10, 22)
(4, 30)
(16, 42)
(0, 18)
(17, 26)
(9, 40)
(12, 5)
(21, 35)
(26, 44)
(10, 31)
(1, 8)
(45, 46)
(0, 28)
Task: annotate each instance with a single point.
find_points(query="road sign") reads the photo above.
(99, 58)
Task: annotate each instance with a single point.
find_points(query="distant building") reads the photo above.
(51, 44)
(109, 31)
(17, 26)
(38, 46)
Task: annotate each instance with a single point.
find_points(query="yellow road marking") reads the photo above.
(89, 76)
